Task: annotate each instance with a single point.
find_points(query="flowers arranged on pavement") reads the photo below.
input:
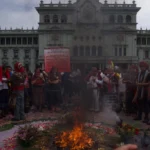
(127, 130)
(6, 124)
(10, 143)
(103, 128)
(28, 134)
(5, 121)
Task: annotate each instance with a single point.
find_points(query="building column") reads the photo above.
(21, 56)
(10, 56)
(32, 59)
(141, 54)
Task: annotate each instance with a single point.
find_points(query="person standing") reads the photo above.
(37, 85)
(141, 96)
(129, 80)
(54, 89)
(4, 97)
(94, 82)
(17, 80)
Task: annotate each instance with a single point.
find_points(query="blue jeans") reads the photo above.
(19, 109)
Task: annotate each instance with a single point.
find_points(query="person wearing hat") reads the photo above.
(17, 80)
(141, 96)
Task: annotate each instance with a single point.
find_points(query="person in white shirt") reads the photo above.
(93, 83)
(122, 90)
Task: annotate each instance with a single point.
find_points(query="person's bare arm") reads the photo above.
(127, 147)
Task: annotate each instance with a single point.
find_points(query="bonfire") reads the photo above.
(76, 139)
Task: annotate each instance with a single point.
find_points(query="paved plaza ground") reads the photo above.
(105, 117)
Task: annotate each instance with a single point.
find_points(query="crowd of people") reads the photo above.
(20, 89)
(131, 87)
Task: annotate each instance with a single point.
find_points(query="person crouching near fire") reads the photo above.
(141, 96)
(17, 80)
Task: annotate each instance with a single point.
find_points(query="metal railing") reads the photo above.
(119, 5)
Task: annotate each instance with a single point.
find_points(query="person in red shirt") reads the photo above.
(17, 80)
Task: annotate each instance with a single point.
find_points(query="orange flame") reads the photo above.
(76, 139)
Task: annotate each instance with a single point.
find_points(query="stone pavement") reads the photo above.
(107, 117)
(110, 118)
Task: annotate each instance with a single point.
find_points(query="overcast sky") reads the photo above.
(22, 13)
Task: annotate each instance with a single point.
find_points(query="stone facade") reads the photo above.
(94, 32)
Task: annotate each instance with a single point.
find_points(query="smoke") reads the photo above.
(109, 109)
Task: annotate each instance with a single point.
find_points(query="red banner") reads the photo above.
(58, 57)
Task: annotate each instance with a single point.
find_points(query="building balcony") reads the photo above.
(104, 59)
(15, 59)
(4, 60)
(27, 60)
(119, 5)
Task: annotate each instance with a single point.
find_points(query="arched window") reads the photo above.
(75, 51)
(112, 19)
(100, 38)
(5, 53)
(8, 41)
(27, 54)
(15, 53)
(81, 38)
(63, 19)
(93, 37)
(75, 38)
(81, 51)
(87, 38)
(99, 51)
(87, 51)
(2, 41)
(120, 19)
(128, 19)
(46, 19)
(138, 41)
(55, 19)
(148, 41)
(93, 50)
(143, 41)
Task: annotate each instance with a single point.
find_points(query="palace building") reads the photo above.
(95, 32)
